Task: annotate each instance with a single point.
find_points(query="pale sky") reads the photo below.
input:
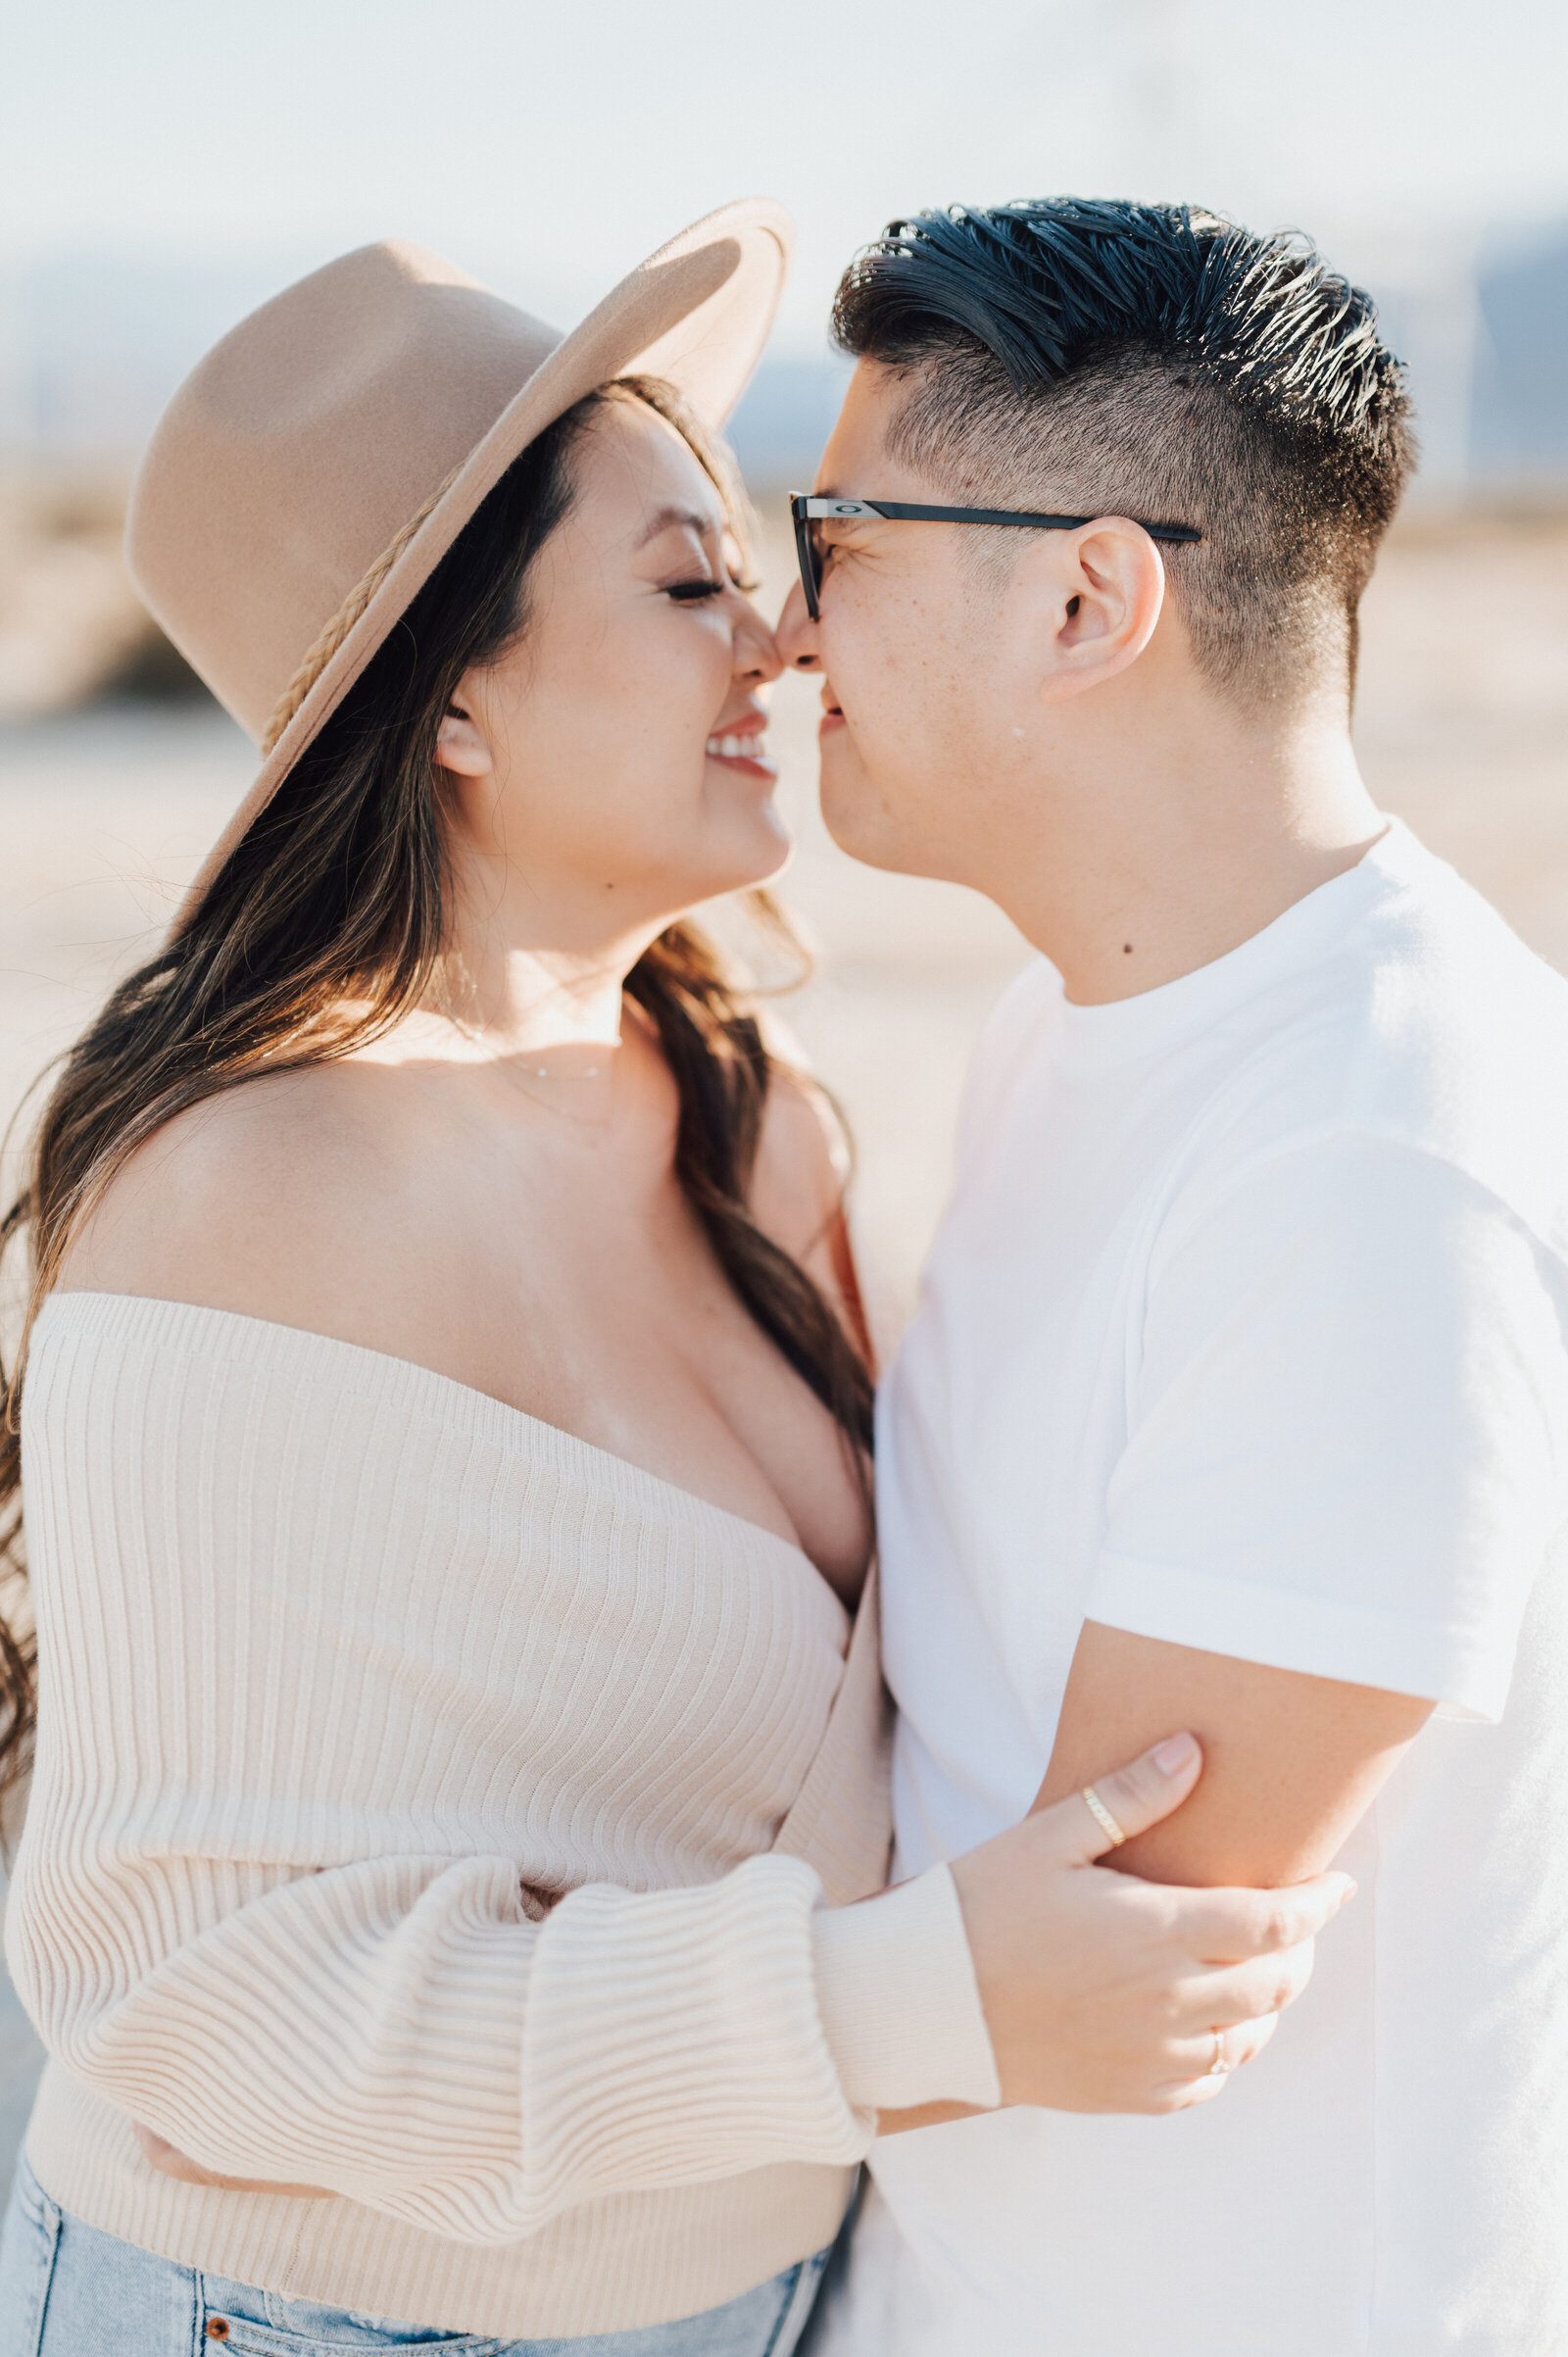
(548, 146)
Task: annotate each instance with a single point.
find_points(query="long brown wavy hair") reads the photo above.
(327, 923)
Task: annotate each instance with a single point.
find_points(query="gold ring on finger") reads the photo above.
(1220, 2066)
(1103, 1817)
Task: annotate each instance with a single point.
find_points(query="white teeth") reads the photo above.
(729, 748)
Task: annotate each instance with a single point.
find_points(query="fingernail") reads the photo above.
(1176, 1752)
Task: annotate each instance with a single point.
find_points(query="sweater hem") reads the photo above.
(618, 2264)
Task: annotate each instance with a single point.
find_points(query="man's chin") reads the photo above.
(856, 813)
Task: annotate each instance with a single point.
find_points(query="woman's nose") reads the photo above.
(757, 650)
(797, 633)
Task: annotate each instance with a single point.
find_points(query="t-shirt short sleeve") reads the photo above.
(1345, 1438)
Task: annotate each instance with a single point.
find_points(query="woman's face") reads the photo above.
(609, 770)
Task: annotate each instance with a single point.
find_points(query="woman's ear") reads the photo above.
(460, 745)
(1104, 586)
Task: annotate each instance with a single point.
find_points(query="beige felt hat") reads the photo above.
(314, 469)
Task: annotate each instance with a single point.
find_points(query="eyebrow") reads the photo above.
(691, 517)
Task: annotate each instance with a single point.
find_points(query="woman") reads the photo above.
(446, 1430)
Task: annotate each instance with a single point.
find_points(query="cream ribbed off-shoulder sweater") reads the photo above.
(432, 1807)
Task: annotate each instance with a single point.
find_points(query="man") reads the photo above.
(1238, 1399)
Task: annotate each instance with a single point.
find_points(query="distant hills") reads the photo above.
(1519, 421)
(91, 346)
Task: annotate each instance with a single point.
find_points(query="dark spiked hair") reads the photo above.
(1108, 358)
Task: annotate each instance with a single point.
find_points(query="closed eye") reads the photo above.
(688, 592)
(829, 546)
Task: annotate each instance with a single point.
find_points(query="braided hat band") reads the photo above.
(348, 614)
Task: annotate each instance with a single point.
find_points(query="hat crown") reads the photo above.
(302, 445)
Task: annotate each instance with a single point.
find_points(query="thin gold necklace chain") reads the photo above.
(476, 1038)
(519, 1074)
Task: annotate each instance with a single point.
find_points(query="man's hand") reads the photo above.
(1105, 1993)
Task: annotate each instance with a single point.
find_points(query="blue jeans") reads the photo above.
(66, 2290)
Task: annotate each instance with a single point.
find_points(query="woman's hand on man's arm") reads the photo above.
(1105, 1993)
(1110, 1997)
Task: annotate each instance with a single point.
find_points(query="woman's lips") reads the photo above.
(742, 754)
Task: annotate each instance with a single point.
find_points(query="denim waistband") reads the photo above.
(66, 2288)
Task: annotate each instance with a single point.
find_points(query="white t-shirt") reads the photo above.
(1244, 1330)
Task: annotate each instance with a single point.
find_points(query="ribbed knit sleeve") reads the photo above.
(341, 1687)
(896, 1990)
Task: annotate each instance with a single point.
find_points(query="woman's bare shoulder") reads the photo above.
(249, 1201)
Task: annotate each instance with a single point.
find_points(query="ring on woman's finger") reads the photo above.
(1220, 2066)
(1103, 1817)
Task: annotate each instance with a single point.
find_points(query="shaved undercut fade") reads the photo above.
(1097, 358)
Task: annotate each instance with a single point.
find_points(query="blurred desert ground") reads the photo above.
(110, 791)
(120, 777)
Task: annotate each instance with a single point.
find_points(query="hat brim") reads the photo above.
(697, 312)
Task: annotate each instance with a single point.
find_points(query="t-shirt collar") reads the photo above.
(1310, 929)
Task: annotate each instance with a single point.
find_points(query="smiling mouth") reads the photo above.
(744, 754)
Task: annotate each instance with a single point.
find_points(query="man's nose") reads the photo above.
(797, 633)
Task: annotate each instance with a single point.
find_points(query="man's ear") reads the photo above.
(460, 745)
(1103, 588)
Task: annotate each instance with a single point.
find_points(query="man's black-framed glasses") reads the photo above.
(808, 509)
